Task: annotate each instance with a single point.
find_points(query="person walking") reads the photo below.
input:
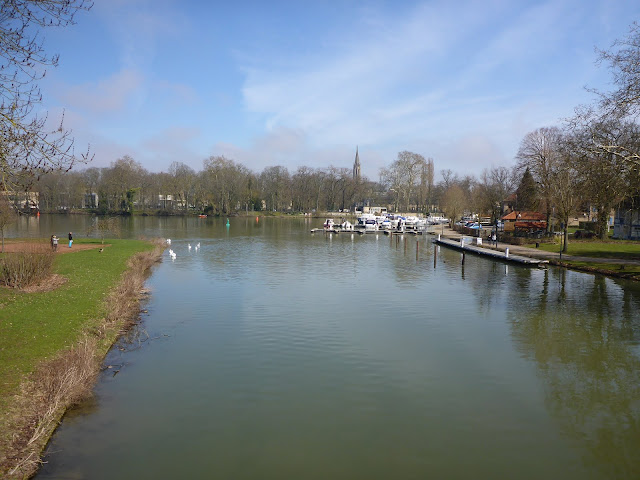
(70, 239)
(54, 239)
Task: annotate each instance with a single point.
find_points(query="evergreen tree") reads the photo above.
(526, 193)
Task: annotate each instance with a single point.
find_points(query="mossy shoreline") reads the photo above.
(43, 377)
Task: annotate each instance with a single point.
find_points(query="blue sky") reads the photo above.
(302, 83)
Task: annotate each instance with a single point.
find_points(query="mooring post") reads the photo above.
(506, 253)
(462, 258)
(435, 255)
(417, 249)
(404, 239)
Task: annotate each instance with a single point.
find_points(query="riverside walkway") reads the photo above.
(532, 253)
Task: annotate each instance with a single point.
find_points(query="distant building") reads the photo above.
(24, 201)
(90, 200)
(524, 221)
(356, 167)
(509, 204)
(626, 224)
(169, 202)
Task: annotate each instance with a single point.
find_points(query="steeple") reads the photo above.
(356, 167)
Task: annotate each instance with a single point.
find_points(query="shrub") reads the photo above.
(22, 269)
(584, 234)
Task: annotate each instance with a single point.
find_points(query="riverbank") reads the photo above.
(605, 261)
(52, 342)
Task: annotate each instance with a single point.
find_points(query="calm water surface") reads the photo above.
(272, 353)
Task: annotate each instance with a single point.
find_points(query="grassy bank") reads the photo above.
(617, 251)
(52, 342)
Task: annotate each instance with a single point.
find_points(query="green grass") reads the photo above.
(35, 326)
(614, 249)
(625, 270)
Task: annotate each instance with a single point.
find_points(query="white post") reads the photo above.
(506, 253)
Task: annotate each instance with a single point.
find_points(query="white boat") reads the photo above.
(410, 222)
(362, 220)
(346, 226)
(384, 224)
(394, 220)
(370, 225)
(422, 224)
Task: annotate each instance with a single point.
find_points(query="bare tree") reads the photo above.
(624, 63)
(539, 152)
(7, 216)
(608, 177)
(407, 174)
(225, 180)
(453, 202)
(29, 147)
(183, 182)
(494, 186)
(567, 190)
(103, 226)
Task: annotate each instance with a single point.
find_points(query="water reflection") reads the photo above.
(582, 332)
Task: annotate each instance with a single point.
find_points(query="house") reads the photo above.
(169, 202)
(24, 201)
(90, 200)
(517, 221)
(626, 224)
(375, 210)
(508, 204)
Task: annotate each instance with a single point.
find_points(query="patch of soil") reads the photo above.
(12, 247)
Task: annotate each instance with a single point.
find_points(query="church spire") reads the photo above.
(356, 167)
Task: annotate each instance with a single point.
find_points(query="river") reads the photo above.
(273, 353)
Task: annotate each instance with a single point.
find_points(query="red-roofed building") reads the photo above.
(524, 221)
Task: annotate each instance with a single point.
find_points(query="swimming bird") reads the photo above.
(189, 245)
(168, 241)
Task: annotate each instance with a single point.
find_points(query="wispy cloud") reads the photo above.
(137, 25)
(112, 94)
(434, 71)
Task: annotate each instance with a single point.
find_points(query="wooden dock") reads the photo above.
(336, 230)
(406, 232)
(496, 254)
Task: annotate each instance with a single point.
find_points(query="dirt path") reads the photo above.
(38, 246)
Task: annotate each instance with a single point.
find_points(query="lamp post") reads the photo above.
(496, 208)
